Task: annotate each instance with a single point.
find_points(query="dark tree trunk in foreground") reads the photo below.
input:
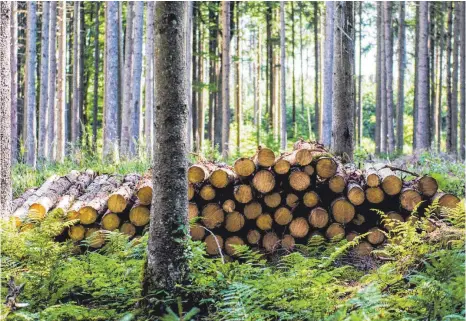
(5, 110)
(30, 87)
(422, 120)
(167, 264)
(328, 75)
(343, 102)
(401, 78)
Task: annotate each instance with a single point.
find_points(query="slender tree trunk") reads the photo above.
(455, 67)
(96, 78)
(5, 110)
(416, 63)
(401, 78)
(438, 112)
(76, 85)
(195, 74)
(301, 55)
(238, 97)
(200, 109)
(61, 87)
(389, 73)
(343, 102)
(14, 80)
(149, 82)
(432, 87)
(422, 126)
(51, 107)
(328, 74)
(378, 104)
(462, 71)
(30, 89)
(360, 111)
(258, 88)
(218, 84)
(110, 131)
(189, 55)
(283, 75)
(135, 105)
(293, 78)
(225, 76)
(44, 82)
(318, 125)
(383, 86)
(167, 264)
(213, 21)
(83, 78)
(449, 36)
(269, 71)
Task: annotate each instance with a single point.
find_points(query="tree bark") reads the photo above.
(96, 78)
(343, 102)
(462, 71)
(52, 85)
(328, 74)
(200, 109)
(455, 67)
(432, 80)
(293, 78)
(75, 113)
(401, 78)
(61, 86)
(383, 85)
(360, 111)
(258, 93)
(449, 37)
(149, 81)
(318, 125)
(212, 67)
(30, 88)
(110, 130)
(378, 104)
(167, 264)
(389, 73)
(225, 76)
(238, 94)
(422, 120)
(5, 110)
(416, 63)
(438, 111)
(14, 80)
(44, 81)
(283, 77)
(192, 122)
(269, 69)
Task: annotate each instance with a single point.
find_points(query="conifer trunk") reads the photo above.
(61, 86)
(401, 74)
(30, 87)
(14, 80)
(328, 75)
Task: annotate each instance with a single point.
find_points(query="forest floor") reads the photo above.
(419, 275)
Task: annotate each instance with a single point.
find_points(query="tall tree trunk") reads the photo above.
(360, 111)
(149, 81)
(200, 109)
(293, 78)
(416, 63)
(283, 75)
(401, 78)
(30, 89)
(218, 85)
(44, 82)
(126, 112)
(195, 74)
(301, 55)
(258, 95)
(449, 37)
(238, 96)
(383, 86)
(52, 86)
(328, 74)
(110, 131)
(343, 102)
(455, 67)
(432, 87)
(96, 78)
(189, 55)
(438, 112)
(5, 110)
(389, 73)
(61, 87)
(213, 23)
(422, 126)
(83, 78)
(14, 80)
(225, 76)
(318, 125)
(135, 106)
(269, 71)
(167, 264)
(378, 104)
(462, 71)
(75, 114)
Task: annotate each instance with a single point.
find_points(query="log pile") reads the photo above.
(266, 201)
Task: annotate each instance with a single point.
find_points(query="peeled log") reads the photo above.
(243, 193)
(427, 185)
(207, 192)
(264, 222)
(292, 200)
(374, 195)
(263, 181)
(234, 221)
(265, 157)
(311, 199)
(197, 232)
(375, 236)
(212, 216)
(17, 202)
(221, 177)
(270, 242)
(409, 198)
(252, 210)
(288, 242)
(254, 236)
(299, 227)
(128, 229)
(110, 221)
(283, 216)
(355, 194)
(342, 210)
(318, 217)
(198, 173)
(446, 200)
(232, 240)
(76, 232)
(139, 215)
(391, 184)
(244, 167)
(299, 181)
(335, 232)
(229, 206)
(213, 244)
(272, 200)
(118, 200)
(144, 190)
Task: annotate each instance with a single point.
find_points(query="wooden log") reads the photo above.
(265, 157)
(222, 177)
(191, 191)
(119, 199)
(342, 210)
(337, 183)
(409, 198)
(299, 227)
(311, 199)
(193, 211)
(351, 236)
(318, 217)
(263, 181)
(66, 201)
(77, 232)
(253, 237)
(212, 216)
(139, 215)
(363, 249)
(292, 200)
(427, 185)
(242, 193)
(358, 220)
(17, 202)
(446, 200)
(394, 218)
(244, 167)
(272, 200)
(110, 221)
(95, 237)
(213, 244)
(229, 206)
(197, 232)
(375, 236)
(355, 194)
(375, 195)
(371, 176)
(230, 242)
(391, 184)
(264, 222)
(270, 242)
(309, 170)
(288, 242)
(283, 216)
(252, 210)
(128, 229)
(325, 167)
(234, 221)
(198, 173)
(299, 181)
(144, 190)
(284, 162)
(207, 192)
(335, 232)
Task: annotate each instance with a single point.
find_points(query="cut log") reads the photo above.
(197, 232)
(270, 242)
(371, 176)
(318, 217)
(144, 190)
(375, 236)
(355, 194)
(363, 249)
(110, 221)
(198, 173)
(212, 216)
(139, 215)
(221, 177)
(299, 227)
(252, 210)
(342, 210)
(446, 200)
(351, 236)
(394, 218)
(207, 192)
(265, 157)
(244, 167)
(243, 193)
(128, 229)
(95, 237)
(374, 195)
(191, 192)
(427, 185)
(17, 202)
(292, 200)
(272, 200)
(311, 199)
(230, 242)
(254, 237)
(66, 201)
(326, 167)
(118, 200)
(77, 232)
(263, 181)
(358, 220)
(213, 244)
(299, 181)
(391, 184)
(337, 183)
(264, 222)
(283, 216)
(234, 221)
(335, 232)
(284, 162)
(229, 206)
(193, 211)
(288, 242)
(409, 198)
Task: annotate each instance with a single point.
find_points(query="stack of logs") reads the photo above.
(264, 201)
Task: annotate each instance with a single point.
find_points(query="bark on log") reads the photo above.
(17, 202)
(118, 200)
(144, 190)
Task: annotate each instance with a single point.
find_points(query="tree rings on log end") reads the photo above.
(318, 217)
(253, 237)
(326, 167)
(299, 227)
(87, 215)
(233, 240)
(310, 199)
(128, 229)
(374, 195)
(264, 222)
(197, 173)
(252, 210)
(272, 200)
(265, 157)
(212, 216)
(229, 206)
(375, 236)
(363, 249)
(244, 167)
(409, 198)
(292, 200)
(303, 156)
(144, 195)
(234, 221)
(264, 181)
(283, 216)
(343, 211)
(270, 242)
(197, 232)
(335, 232)
(243, 193)
(214, 244)
(95, 237)
(355, 194)
(207, 192)
(282, 166)
(299, 181)
(110, 221)
(77, 232)
(288, 242)
(427, 185)
(139, 215)
(193, 211)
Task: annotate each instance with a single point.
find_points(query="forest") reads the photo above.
(232, 160)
